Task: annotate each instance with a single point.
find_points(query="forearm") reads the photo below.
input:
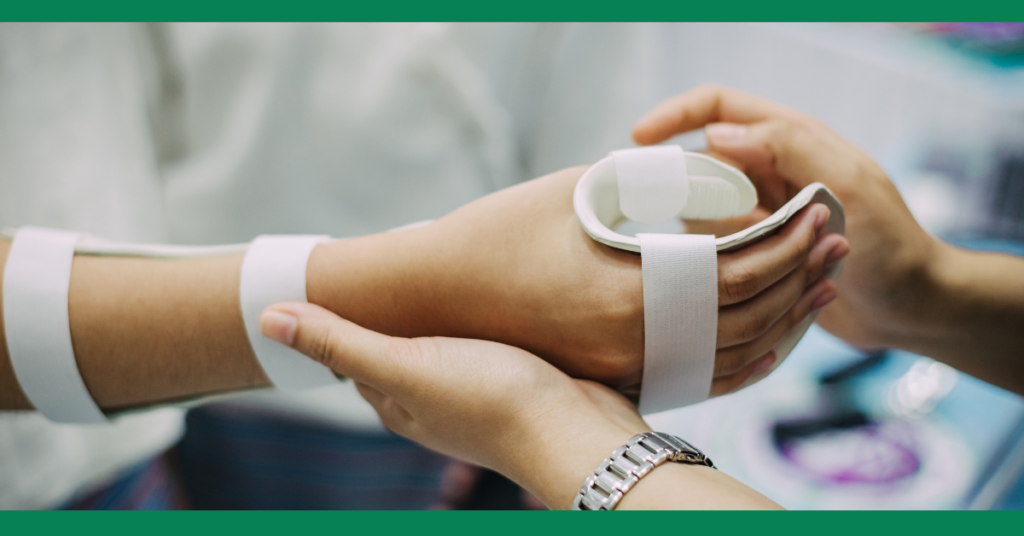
(147, 331)
(972, 318)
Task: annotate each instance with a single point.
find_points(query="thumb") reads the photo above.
(347, 349)
(776, 147)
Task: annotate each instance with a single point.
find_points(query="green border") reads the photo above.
(512, 523)
(514, 10)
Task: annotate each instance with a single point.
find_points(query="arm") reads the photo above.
(513, 267)
(147, 331)
(500, 407)
(901, 287)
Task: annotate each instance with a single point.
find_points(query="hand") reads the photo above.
(892, 259)
(493, 405)
(516, 267)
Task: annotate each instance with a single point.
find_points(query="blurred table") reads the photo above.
(835, 428)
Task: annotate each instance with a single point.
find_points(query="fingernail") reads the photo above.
(824, 298)
(820, 219)
(836, 254)
(278, 326)
(764, 364)
(724, 133)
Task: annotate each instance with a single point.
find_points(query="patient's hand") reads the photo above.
(516, 267)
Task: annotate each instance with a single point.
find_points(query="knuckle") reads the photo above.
(812, 271)
(725, 363)
(754, 328)
(406, 355)
(323, 348)
(738, 283)
(796, 315)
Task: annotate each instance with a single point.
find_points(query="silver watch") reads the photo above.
(619, 472)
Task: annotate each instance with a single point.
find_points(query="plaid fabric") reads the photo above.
(236, 458)
(150, 485)
(232, 458)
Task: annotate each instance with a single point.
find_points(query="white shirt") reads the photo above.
(212, 133)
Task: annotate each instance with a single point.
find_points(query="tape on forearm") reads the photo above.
(274, 271)
(35, 305)
(37, 326)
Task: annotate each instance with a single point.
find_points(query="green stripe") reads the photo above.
(514, 10)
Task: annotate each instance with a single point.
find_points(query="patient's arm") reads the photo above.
(146, 331)
(513, 267)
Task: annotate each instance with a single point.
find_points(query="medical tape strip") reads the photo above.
(274, 271)
(680, 279)
(653, 182)
(680, 287)
(37, 325)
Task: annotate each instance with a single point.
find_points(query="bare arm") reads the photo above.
(147, 331)
(973, 316)
(513, 267)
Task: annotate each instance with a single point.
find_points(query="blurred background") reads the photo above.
(215, 133)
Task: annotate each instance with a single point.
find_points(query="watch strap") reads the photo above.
(618, 473)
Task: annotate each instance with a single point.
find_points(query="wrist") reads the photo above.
(383, 282)
(935, 291)
(560, 454)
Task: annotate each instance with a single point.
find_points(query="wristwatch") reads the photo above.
(619, 472)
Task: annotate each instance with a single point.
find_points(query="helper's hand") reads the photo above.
(782, 151)
(516, 267)
(496, 406)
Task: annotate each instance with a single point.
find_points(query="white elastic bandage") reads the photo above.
(36, 321)
(680, 278)
(274, 271)
(653, 183)
(680, 274)
(680, 271)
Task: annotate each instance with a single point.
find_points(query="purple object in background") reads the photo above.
(995, 38)
(876, 453)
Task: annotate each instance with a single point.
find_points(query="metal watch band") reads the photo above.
(619, 472)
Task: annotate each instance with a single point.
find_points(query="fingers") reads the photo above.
(363, 355)
(732, 359)
(701, 106)
(749, 320)
(745, 273)
(727, 384)
(779, 147)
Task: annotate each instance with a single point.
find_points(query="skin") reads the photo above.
(901, 287)
(500, 407)
(513, 267)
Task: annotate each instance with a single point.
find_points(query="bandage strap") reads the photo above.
(680, 287)
(653, 182)
(274, 271)
(38, 329)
